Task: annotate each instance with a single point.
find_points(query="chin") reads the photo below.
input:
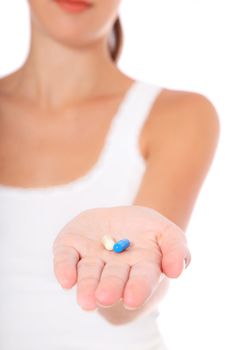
(75, 29)
(51, 21)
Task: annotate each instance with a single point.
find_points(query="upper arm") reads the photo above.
(182, 140)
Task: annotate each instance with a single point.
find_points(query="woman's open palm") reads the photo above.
(104, 277)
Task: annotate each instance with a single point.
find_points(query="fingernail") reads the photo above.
(130, 308)
(104, 306)
(65, 289)
(186, 263)
(161, 277)
(92, 310)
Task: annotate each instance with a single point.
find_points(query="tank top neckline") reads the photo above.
(91, 174)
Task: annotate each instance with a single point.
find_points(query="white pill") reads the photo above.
(108, 242)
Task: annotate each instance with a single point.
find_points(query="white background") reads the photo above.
(187, 45)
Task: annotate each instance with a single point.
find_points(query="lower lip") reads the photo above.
(72, 6)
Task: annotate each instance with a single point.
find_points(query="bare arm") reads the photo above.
(184, 134)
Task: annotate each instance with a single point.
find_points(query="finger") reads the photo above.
(111, 286)
(175, 253)
(89, 272)
(143, 280)
(65, 261)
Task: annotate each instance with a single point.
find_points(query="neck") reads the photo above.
(55, 75)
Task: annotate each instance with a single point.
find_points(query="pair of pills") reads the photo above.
(117, 247)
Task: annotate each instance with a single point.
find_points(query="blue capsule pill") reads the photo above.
(121, 245)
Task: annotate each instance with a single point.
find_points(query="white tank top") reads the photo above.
(35, 312)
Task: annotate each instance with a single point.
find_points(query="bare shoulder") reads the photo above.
(185, 114)
(8, 84)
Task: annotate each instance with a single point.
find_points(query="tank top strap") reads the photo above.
(133, 114)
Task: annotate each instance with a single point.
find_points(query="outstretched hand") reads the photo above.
(104, 277)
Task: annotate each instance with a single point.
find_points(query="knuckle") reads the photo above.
(90, 262)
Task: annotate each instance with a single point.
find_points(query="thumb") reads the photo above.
(65, 264)
(175, 253)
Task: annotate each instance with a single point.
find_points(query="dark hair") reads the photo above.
(117, 33)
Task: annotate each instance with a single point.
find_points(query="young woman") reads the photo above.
(86, 151)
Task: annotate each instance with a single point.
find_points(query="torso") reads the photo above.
(38, 149)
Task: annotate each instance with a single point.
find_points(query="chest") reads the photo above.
(44, 149)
